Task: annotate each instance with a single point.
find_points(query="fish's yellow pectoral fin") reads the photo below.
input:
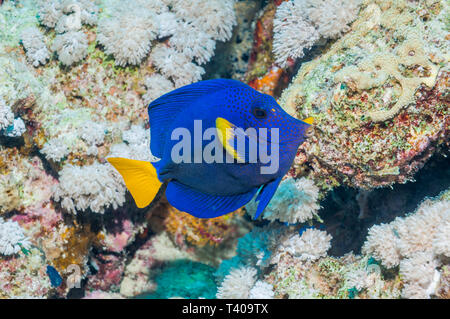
(309, 120)
(226, 134)
(140, 177)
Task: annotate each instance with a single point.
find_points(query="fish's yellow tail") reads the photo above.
(140, 177)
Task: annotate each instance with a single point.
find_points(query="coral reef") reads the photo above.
(94, 186)
(295, 202)
(237, 284)
(33, 41)
(75, 79)
(185, 279)
(12, 239)
(377, 96)
(416, 244)
(201, 232)
(299, 24)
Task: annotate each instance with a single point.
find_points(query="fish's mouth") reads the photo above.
(260, 137)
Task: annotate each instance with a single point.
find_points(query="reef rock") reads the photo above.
(378, 97)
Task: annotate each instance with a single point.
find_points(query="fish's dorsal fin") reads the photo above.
(140, 177)
(265, 195)
(203, 205)
(163, 111)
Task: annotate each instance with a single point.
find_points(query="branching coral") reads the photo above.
(95, 187)
(193, 27)
(9, 126)
(330, 18)
(413, 243)
(295, 201)
(67, 15)
(299, 24)
(34, 43)
(16, 129)
(84, 136)
(193, 43)
(136, 145)
(12, 239)
(292, 34)
(87, 10)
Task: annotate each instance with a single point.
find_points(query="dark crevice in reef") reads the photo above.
(231, 58)
(348, 213)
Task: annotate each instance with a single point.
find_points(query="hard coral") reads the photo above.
(201, 232)
(364, 133)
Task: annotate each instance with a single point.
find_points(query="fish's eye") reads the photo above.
(259, 113)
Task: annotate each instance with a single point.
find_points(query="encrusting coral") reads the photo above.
(237, 284)
(377, 97)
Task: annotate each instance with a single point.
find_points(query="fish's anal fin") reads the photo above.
(202, 205)
(140, 177)
(265, 195)
(226, 132)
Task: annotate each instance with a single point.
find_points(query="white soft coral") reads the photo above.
(299, 24)
(127, 34)
(33, 42)
(71, 47)
(95, 187)
(12, 238)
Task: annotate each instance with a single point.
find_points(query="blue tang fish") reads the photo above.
(55, 277)
(201, 187)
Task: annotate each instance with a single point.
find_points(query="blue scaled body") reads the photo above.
(213, 189)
